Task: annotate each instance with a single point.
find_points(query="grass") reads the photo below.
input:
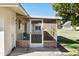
(71, 54)
(70, 40)
(74, 46)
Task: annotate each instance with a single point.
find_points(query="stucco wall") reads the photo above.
(1, 34)
(9, 29)
(20, 30)
(28, 27)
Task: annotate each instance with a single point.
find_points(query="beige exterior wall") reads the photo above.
(1, 33)
(28, 27)
(9, 28)
(20, 30)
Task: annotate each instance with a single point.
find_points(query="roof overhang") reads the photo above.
(16, 7)
(44, 17)
(40, 17)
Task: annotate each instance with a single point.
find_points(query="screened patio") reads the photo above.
(38, 32)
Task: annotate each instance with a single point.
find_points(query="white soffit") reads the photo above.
(16, 7)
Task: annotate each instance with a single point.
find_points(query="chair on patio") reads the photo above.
(25, 36)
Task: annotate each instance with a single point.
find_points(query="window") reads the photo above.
(37, 27)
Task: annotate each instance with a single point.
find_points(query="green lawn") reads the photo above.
(70, 40)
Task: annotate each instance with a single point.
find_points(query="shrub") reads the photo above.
(75, 46)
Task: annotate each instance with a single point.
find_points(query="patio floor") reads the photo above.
(39, 51)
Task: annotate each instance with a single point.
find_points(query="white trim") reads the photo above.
(36, 19)
(36, 44)
(30, 32)
(42, 34)
(56, 31)
(9, 5)
(48, 17)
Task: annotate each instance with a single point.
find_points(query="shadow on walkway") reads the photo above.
(35, 51)
(61, 48)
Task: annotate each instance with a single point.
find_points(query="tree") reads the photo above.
(68, 11)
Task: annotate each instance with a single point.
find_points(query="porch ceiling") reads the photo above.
(45, 19)
(49, 21)
(36, 22)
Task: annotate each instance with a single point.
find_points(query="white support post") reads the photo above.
(56, 31)
(42, 34)
(30, 31)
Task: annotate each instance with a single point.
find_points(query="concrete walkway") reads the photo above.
(39, 51)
